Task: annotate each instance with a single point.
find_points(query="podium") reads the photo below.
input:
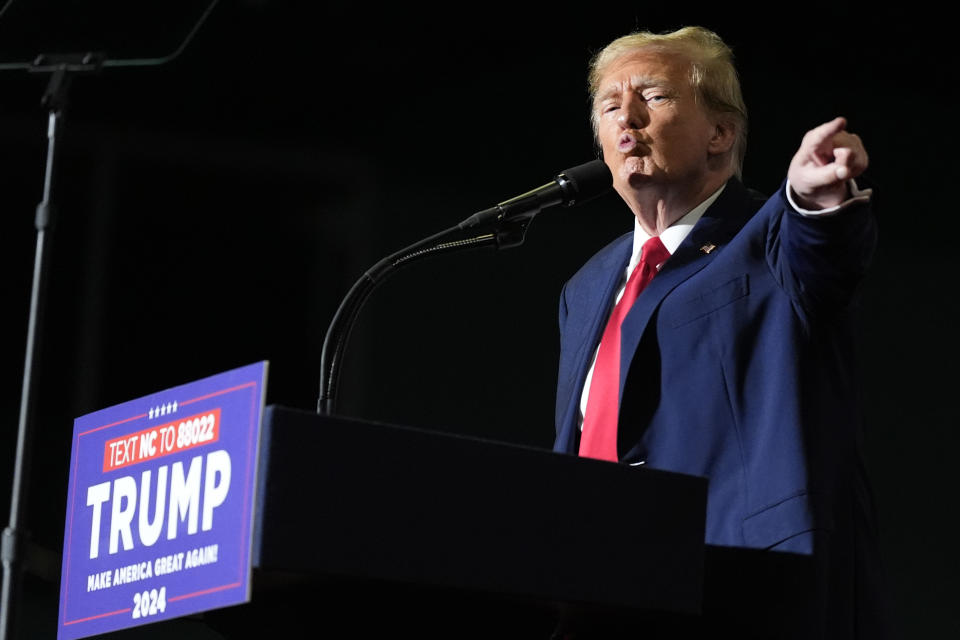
(369, 511)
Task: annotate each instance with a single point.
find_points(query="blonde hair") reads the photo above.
(712, 74)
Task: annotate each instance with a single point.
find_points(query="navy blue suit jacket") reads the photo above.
(737, 365)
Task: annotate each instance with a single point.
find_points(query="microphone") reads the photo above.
(572, 186)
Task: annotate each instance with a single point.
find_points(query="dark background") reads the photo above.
(212, 212)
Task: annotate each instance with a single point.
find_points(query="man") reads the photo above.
(734, 361)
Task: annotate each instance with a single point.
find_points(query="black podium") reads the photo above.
(355, 519)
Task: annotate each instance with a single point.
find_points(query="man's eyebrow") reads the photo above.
(608, 93)
(638, 81)
(641, 81)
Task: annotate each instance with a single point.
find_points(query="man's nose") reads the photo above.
(633, 112)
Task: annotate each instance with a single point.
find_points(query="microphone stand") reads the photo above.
(506, 233)
(62, 69)
(508, 220)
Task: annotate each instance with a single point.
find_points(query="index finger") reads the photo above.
(827, 130)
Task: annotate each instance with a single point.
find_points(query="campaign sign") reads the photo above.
(160, 505)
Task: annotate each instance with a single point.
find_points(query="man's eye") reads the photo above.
(657, 98)
(610, 107)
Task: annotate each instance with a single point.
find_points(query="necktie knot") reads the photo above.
(652, 256)
(654, 253)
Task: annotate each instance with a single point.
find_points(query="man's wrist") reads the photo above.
(855, 193)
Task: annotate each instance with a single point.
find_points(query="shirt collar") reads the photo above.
(673, 235)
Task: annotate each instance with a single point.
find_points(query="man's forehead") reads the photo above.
(644, 67)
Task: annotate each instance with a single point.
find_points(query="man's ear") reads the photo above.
(724, 135)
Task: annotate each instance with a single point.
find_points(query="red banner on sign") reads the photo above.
(161, 440)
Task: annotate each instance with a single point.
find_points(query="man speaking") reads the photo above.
(716, 339)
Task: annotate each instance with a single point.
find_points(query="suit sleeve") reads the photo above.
(820, 260)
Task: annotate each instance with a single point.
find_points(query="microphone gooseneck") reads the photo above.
(506, 225)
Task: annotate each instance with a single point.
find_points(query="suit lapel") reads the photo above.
(600, 299)
(717, 227)
(597, 302)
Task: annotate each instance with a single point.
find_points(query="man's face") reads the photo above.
(653, 132)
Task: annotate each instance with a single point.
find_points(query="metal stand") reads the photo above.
(507, 225)
(504, 234)
(16, 539)
(62, 69)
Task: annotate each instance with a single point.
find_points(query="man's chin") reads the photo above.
(634, 168)
(637, 179)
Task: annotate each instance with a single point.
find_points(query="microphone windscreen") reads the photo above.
(591, 179)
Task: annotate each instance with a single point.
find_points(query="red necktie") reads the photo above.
(599, 437)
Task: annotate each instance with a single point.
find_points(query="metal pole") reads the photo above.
(15, 538)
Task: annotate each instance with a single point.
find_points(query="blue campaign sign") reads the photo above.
(160, 505)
